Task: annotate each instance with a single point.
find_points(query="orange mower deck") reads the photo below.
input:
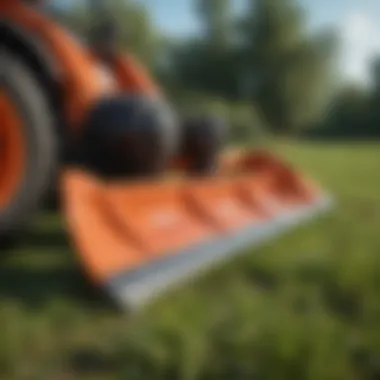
(139, 239)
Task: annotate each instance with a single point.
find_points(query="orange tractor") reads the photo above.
(149, 198)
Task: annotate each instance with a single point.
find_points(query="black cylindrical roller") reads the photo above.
(129, 135)
(202, 141)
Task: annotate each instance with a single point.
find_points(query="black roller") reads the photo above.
(128, 136)
(202, 141)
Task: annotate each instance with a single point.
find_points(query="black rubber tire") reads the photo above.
(202, 140)
(20, 83)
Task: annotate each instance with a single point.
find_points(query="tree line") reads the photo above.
(263, 68)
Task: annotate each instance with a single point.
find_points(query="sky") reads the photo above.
(357, 21)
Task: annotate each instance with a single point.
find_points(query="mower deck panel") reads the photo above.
(134, 289)
(138, 240)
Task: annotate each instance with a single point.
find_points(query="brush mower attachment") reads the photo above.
(66, 104)
(139, 239)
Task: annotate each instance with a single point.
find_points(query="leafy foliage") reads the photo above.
(265, 57)
(354, 114)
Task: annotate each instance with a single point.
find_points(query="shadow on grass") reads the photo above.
(36, 286)
(39, 288)
(54, 240)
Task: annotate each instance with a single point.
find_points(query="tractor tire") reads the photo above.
(36, 130)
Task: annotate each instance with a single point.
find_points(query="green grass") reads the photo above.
(306, 306)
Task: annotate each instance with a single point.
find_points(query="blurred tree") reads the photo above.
(287, 69)
(355, 112)
(265, 56)
(374, 100)
(375, 71)
(349, 116)
(216, 16)
(206, 63)
(136, 29)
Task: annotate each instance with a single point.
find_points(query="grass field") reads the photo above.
(307, 306)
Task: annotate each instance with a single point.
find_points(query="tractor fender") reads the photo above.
(35, 54)
(79, 82)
